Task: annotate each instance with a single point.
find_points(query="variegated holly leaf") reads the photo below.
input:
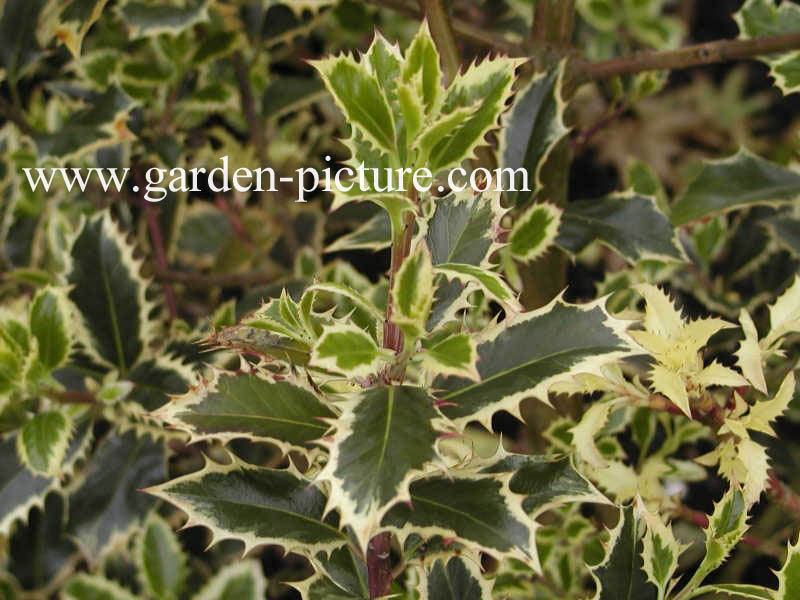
(660, 552)
(421, 71)
(531, 130)
(348, 350)
(629, 223)
(523, 356)
(233, 405)
(544, 481)
(20, 489)
(535, 231)
(49, 320)
(161, 563)
(621, 574)
(489, 282)
(784, 315)
(737, 591)
(448, 355)
(479, 511)
(94, 587)
(341, 574)
(109, 293)
(43, 441)
(412, 294)
(385, 437)
(146, 19)
(242, 580)
(156, 379)
(726, 526)
(483, 89)
(72, 20)
(764, 18)
(100, 124)
(320, 587)
(359, 95)
(734, 183)
(255, 506)
(105, 502)
(375, 234)
(789, 575)
(786, 231)
(455, 579)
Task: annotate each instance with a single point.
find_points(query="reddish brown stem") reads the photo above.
(151, 216)
(379, 566)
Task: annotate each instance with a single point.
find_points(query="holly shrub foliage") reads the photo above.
(450, 428)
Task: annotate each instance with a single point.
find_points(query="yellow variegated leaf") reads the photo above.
(673, 386)
(750, 355)
(412, 293)
(717, 374)
(784, 315)
(766, 411)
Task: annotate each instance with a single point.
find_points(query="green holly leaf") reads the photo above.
(570, 339)
(489, 282)
(94, 587)
(161, 563)
(242, 580)
(741, 181)
(42, 442)
(231, 405)
(451, 355)
(156, 379)
(347, 349)
(738, 591)
(534, 232)
(620, 575)
(105, 502)
(74, 22)
(477, 510)
(341, 572)
(455, 579)
(109, 293)
(629, 223)
(19, 48)
(544, 481)
(255, 506)
(789, 575)
(531, 130)
(49, 320)
(385, 437)
(421, 70)
(660, 553)
(375, 234)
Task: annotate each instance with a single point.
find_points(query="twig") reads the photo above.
(783, 495)
(690, 56)
(582, 138)
(206, 280)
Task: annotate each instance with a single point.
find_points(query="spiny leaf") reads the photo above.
(74, 21)
(50, 316)
(375, 234)
(784, 314)
(94, 587)
(42, 442)
(454, 355)
(421, 68)
(734, 183)
(412, 293)
(738, 591)
(344, 570)
(248, 405)
(160, 559)
(385, 437)
(569, 339)
(19, 48)
(620, 576)
(242, 580)
(489, 282)
(347, 349)
(789, 575)
(146, 19)
(535, 231)
(660, 553)
(254, 505)
(477, 510)
(531, 130)
(110, 294)
(630, 223)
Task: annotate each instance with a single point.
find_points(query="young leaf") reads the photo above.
(476, 510)
(789, 575)
(50, 316)
(621, 576)
(94, 587)
(531, 130)
(385, 437)
(455, 355)
(749, 356)
(489, 282)
(162, 565)
(105, 502)
(254, 505)
(242, 580)
(734, 183)
(348, 350)
(359, 95)
(660, 553)
(784, 315)
(455, 579)
(110, 294)
(629, 223)
(248, 405)
(42, 442)
(535, 231)
(569, 339)
(421, 66)
(412, 293)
